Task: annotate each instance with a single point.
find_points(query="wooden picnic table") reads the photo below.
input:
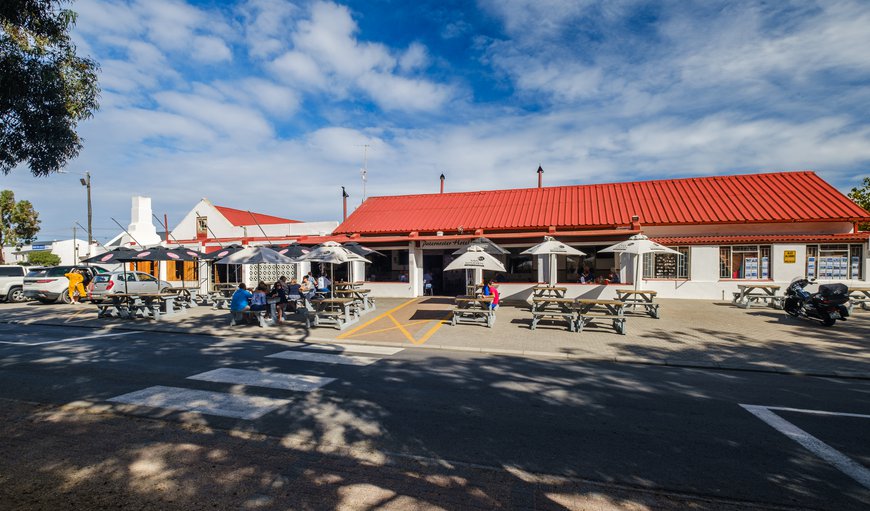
(545, 291)
(361, 296)
(348, 285)
(861, 296)
(128, 305)
(474, 290)
(339, 312)
(473, 310)
(644, 298)
(592, 310)
(754, 293)
(557, 308)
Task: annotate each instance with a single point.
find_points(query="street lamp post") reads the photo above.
(86, 181)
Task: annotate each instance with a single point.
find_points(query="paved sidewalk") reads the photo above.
(691, 333)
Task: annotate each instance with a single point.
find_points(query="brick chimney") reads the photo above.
(540, 177)
(442, 183)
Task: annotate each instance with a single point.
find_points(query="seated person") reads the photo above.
(239, 302)
(258, 299)
(279, 291)
(491, 289)
(293, 293)
(613, 276)
(323, 284)
(586, 276)
(307, 288)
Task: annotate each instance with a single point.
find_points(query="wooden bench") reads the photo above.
(338, 312)
(644, 298)
(474, 310)
(236, 317)
(553, 308)
(859, 296)
(755, 293)
(592, 310)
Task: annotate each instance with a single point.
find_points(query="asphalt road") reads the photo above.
(673, 429)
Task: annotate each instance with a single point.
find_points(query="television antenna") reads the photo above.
(364, 171)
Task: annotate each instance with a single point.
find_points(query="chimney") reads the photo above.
(442, 183)
(540, 177)
(344, 197)
(635, 223)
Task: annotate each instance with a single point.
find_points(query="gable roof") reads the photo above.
(750, 198)
(240, 217)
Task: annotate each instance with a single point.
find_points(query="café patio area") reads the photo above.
(687, 333)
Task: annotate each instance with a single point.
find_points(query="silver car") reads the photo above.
(132, 282)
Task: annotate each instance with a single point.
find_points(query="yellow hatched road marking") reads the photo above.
(369, 322)
(402, 328)
(434, 329)
(391, 328)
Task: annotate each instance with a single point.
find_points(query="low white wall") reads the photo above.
(390, 289)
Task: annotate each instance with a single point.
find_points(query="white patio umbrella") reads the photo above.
(332, 253)
(553, 248)
(488, 246)
(475, 258)
(639, 245)
(255, 255)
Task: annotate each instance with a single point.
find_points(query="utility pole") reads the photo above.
(364, 171)
(86, 182)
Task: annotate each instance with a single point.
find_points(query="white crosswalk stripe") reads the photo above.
(202, 401)
(327, 358)
(283, 381)
(355, 348)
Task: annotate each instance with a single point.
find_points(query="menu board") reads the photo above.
(665, 266)
(751, 268)
(765, 268)
(811, 267)
(856, 267)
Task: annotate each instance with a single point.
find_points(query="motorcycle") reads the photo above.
(827, 305)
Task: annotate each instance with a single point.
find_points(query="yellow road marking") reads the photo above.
(74, 315)
(402, 329)
(392, 328)
(369, 322)
(434, 329)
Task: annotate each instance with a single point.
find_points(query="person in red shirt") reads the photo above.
(491, 290)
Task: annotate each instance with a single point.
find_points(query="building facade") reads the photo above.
(728, 229)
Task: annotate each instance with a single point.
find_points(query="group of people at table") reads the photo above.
(285, 293)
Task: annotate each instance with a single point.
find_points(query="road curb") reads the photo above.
(625, 360)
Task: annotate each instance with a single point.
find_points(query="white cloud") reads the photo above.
(210, 49)
(327, 56)
(243, 125)
(267, 23)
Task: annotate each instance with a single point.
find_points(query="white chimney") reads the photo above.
(141, 227)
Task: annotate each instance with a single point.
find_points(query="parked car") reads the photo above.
(106, 284)
(48, 285)
(12, 283)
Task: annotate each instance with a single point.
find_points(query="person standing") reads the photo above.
(323, 283)
(76, 280)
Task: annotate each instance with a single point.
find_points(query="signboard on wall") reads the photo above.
(789, 256)
(446, 244)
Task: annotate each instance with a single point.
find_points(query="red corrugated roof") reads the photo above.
(860, 237)
(757, 198)
(239, 217)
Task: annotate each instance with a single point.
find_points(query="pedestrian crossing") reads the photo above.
(246, 404)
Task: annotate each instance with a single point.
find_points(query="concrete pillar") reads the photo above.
(415, 269)
(543, 268)
(357, 272)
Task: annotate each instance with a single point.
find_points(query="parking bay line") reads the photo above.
(70, 339)
(282, 381)
(368, 349)
(839, 460)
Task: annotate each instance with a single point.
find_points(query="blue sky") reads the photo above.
(265, 104)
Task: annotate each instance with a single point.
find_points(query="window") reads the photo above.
(746, 262)
(11, 271)
(667, 266)
(521, 267)
(391, 267)
(835, 262)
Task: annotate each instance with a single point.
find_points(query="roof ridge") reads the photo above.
(612, 183)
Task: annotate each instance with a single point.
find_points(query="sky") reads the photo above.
(267, 105)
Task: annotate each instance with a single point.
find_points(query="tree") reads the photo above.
(19, 222)
(43, 258)
(45, 88)
(860, 195)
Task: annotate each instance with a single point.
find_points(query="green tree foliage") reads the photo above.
(45, 88)
(19, 222)
(860, 195)
(43, 258)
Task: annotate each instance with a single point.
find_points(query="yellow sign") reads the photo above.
(789, 256)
